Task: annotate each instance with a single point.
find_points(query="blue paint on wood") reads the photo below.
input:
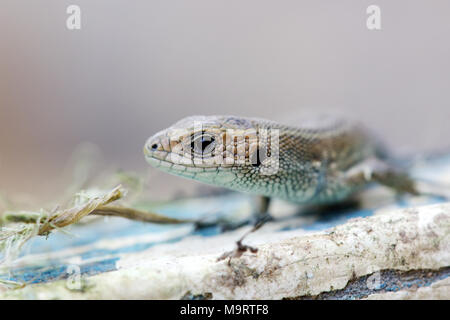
(38, 274)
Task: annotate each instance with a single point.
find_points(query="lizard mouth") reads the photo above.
(157, 157)
(178, 168)
(171, 161)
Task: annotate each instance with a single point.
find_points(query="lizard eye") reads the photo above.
(203, 144)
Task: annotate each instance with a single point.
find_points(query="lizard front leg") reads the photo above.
(259, 215)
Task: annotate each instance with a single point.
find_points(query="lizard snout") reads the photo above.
(156, 147)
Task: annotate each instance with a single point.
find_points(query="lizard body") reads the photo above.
(316, 162)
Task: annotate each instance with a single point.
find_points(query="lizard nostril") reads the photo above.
(154, 146)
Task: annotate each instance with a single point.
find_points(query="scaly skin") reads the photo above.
(319, 162)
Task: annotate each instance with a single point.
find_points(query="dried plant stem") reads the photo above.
(19, 227)
(75, 214)
(95, 206)
(135, 214)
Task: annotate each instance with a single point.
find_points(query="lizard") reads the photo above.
(317, 162)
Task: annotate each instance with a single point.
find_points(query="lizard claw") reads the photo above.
(240, 247)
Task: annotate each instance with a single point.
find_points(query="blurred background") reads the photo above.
(135, 67)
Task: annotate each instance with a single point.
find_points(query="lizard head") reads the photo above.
(212, 149)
